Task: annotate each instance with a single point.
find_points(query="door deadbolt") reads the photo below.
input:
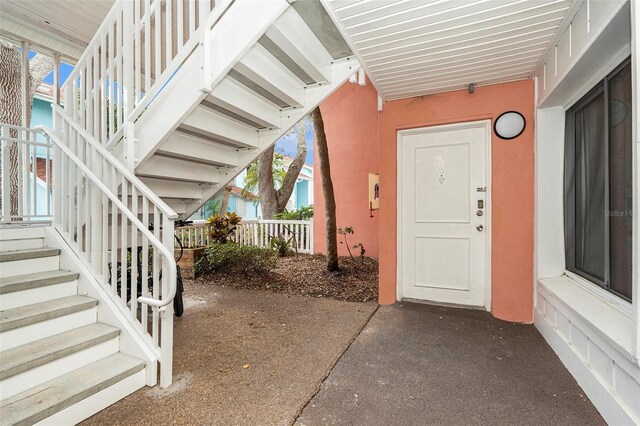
(479, 227)
(479, 213)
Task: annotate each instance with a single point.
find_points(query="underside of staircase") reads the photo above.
(265, 67)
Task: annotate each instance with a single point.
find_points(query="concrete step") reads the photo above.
(38, 312)
(22, 243)
(24, 254)
(47, 399)
(48, 327)
(26, 261)
(27, 289)
(34, 354)
(40, 361)
(10, 232)
(35, 280)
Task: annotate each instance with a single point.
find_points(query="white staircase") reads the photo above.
(169, 102)
(59, 364)
(237, 84)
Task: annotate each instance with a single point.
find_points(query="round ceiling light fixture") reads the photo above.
(509, 125)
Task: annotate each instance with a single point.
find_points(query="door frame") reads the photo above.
(486, 124)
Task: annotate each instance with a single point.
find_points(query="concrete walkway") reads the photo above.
(244, 357)
(417, 364)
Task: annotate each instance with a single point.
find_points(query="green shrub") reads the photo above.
(233, 258)
(304, 213)
(281, 245)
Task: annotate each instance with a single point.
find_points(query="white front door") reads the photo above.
(443, 213)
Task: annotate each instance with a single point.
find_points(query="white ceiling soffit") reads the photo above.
(53, 26)
(418, 47)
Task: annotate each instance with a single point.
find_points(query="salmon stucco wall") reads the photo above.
(351, 124)
(512, 188)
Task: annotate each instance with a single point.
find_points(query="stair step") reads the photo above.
(37, 253)
(159, 166)
(47, 399)
(31, 355)
(23, 243)
(38, 312)
(35, 280)
(7, 232)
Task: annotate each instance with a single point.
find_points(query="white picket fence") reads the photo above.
(260, 232)
(196, 235)
(254, 233)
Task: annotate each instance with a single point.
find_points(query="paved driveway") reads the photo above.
(417, 364)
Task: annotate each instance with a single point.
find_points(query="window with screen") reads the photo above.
(598, 184)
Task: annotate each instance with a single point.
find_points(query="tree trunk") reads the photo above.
(290, 179)
(274, 200)
(266, 187)
(225, 200)
(11, 113)
(11, 104)
(327, 190)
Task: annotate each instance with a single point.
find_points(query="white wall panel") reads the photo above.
(598, 32)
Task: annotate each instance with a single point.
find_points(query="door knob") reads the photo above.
(479, 227)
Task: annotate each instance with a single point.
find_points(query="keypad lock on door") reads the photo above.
(480, 207)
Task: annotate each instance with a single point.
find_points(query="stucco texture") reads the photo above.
(351, 125)
(512, 188)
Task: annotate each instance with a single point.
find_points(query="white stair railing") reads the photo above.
(100, 208)
(135, 52)
(120, 229)
(25, 169)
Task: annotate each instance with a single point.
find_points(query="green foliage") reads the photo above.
(223, 226)
(281, 245)
(213, 206)
(348, 230)
(234, 258)
(303, 213)
(251, 181)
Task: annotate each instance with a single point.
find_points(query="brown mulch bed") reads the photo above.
(307, 275)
